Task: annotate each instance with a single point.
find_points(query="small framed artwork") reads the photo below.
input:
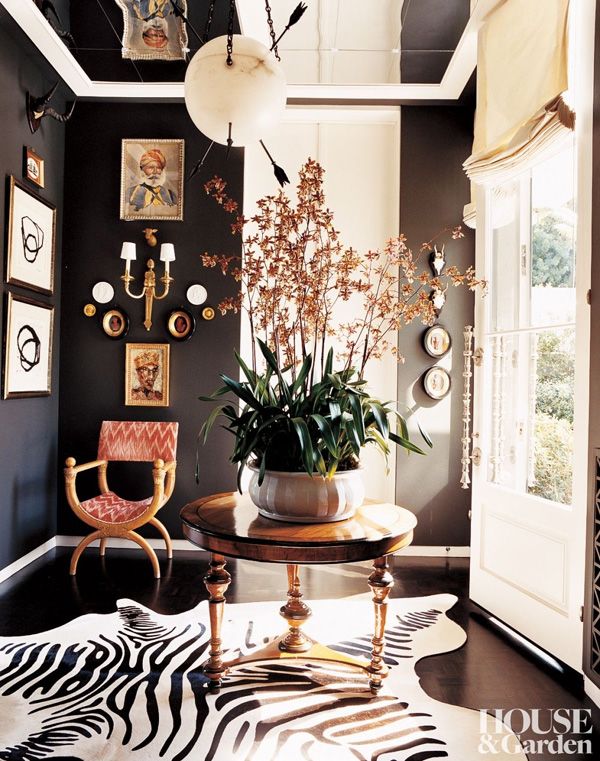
(115, 323)
(436, 341)
(28, 348)
(152, 179)
(181, 324)
(436, 382)
(30, 240)
(33, 167)
(147, 375)
(152, 30)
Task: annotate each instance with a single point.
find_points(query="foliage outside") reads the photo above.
(300, 413)
(553, 265)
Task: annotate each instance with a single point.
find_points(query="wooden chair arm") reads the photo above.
(75, 469)
(72, 469)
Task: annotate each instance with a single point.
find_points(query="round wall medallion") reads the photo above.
(181, 324)
(436, 382)
(102, 292)
(436, 341)
(196, 294)
(89, 310)
(208, 313)
(115, 323)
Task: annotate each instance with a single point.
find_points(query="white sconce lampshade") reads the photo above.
(167, 252)
(250, 94)
(128, 251)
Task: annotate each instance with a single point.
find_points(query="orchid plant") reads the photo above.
(299, 412)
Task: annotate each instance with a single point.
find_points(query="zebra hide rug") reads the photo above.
(129, 686)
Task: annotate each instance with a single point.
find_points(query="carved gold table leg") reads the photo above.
(381, 582)
(295, 613)
(216, 581)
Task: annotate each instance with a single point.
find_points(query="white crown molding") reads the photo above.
(461, 66)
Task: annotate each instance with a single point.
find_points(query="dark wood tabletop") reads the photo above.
(229, 524)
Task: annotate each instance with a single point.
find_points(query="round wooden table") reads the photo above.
(229, 525)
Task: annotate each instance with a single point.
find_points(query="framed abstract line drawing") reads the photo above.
(152, 179)
(28, 348)
(147, 375)
(152, 30)
(30, 242)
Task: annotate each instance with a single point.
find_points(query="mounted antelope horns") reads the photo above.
(37, 108)
(47, 8)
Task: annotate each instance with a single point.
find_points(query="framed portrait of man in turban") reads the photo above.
(152, 30)
(152, 179)
(147, 375)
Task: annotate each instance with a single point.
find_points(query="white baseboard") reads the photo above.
(156, 544)
(591, 690)
(182, 544)
(11, 569)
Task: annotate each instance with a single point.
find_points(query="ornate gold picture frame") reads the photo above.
(152, 179)
(146, 375)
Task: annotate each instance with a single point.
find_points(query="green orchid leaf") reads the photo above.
(405, 443)
(306, 446)
(243, 392)
(357, 415)
(326, 432)
(380, 416)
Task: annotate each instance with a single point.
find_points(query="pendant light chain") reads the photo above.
(230, 32)
(207, 26)
(272, 30)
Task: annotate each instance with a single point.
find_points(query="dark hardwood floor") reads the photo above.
(488, 672)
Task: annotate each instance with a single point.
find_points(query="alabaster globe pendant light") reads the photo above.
(235, 88)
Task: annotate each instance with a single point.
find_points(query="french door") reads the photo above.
(530, 409)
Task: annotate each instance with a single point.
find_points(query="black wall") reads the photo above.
(28, 427)
(433, 190)
(93, 366)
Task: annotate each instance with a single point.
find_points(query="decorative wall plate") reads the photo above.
(89, 310)
(115, 323)
(196, 294)
(208, 313)
(181, 324)
(436, 341)
(436, 382)
(102, 292)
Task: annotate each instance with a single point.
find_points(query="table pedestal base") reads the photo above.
(295, 643)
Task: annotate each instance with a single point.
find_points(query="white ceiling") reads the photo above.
(335, 42)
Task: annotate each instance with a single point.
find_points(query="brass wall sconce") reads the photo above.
(167, 255)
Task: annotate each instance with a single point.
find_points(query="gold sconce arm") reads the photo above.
(149, 289)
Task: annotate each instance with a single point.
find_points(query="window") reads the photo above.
(531, 335)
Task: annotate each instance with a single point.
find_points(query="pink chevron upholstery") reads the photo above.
(111, 508)
(137, 441)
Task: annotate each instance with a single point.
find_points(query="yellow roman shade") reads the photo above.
(522, 76)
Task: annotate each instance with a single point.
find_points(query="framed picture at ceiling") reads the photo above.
(31, 234)
(147, 375)
(152, 30)
(152, 179)
(28, 348)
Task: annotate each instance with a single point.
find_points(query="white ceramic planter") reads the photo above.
(300, 498)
